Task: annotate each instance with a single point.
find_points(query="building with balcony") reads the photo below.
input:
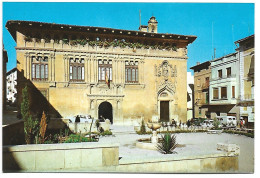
(224, 86)
(123, 75)
(11, 82)
(202, 75)
(246, 55)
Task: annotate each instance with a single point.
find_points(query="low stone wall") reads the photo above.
(55, 157)
(215, 163)
(101, 157)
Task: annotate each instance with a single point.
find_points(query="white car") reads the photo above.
(207, 123)
(83, 119)
(229, 121)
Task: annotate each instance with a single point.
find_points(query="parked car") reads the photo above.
(228, 121)
(82, 119)
(197, 121)
(207, 123)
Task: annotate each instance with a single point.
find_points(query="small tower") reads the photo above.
(152, 25)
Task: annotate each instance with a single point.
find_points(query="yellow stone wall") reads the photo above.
(199, 95)
(129, 101)
(247, 62)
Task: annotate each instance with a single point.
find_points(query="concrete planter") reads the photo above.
(66, 156)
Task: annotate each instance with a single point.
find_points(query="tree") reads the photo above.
(43, 126)
(142, 128)
(30, 124)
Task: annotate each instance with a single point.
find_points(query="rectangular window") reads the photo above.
(229, 72)
(215, 93)
(223, 92)
(39, 68)
(233, 91)
(76, 70)
(104, 68)
(220, 73)
(131, 69)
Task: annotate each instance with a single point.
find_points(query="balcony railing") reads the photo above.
(247, 97)
(223, 77)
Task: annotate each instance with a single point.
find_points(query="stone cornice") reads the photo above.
(101, 53)
(105, 96)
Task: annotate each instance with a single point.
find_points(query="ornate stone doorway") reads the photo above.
(164, 111)
(105, 109)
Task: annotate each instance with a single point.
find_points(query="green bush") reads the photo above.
(75, 138)
(168, 144)
(252, 135)
(106, 132)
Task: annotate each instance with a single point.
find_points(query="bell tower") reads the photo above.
(152, 25)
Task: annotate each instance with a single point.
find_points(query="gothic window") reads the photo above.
(77, 70)
(131, 72)
(39, 68)
(104, 69)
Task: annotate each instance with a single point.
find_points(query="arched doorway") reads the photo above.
(105, 109)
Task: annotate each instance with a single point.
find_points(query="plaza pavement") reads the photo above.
(195, 144)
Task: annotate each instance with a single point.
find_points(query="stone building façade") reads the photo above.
(202, 76)
(246, 55)
(67, 69)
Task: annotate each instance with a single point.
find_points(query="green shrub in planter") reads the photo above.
(168, 144)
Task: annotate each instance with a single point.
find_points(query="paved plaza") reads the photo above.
(194, 144)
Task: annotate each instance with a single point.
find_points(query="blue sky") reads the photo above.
(177, 18)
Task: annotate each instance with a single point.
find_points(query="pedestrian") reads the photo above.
(241, 124)
(77, 119)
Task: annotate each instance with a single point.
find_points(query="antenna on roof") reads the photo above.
(212, 39)
(248, 29)
(233, 35)
(140, 17)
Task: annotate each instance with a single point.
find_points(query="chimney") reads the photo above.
(198, 63)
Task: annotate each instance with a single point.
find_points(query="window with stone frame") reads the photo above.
(77, 70)
(229, 72)
(223, 92)
(215, 93)
(220, 73)
(131, 72)
(39, 68)
(104, 68)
